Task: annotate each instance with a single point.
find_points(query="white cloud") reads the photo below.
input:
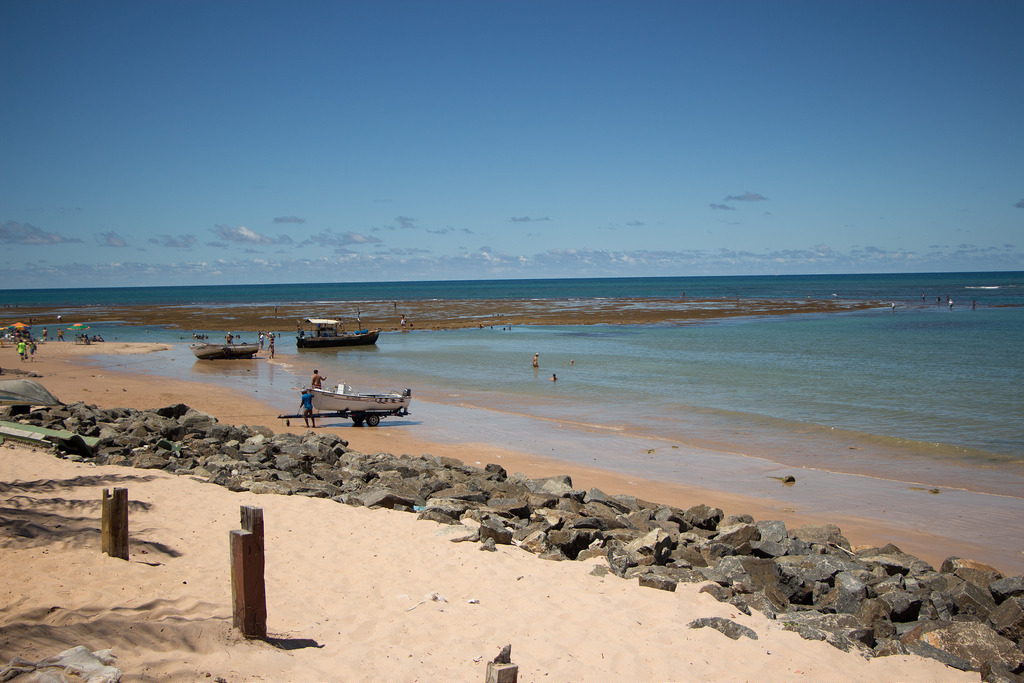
(12, 232)
(241, 235)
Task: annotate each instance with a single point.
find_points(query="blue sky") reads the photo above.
(240, 142)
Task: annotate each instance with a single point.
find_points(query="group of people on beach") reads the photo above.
(27, 350)
(266, 339)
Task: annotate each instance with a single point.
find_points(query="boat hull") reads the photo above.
(341, 339)
(223, 351)
(330, 402)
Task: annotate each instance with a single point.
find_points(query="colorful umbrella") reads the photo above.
(78, 326)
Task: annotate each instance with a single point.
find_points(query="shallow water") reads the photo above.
(927, 389)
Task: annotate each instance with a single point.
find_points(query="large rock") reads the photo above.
(1011, 586)
(825, 535)
(1008, 619)
(971, 641)
(894, 561)
(623, 504)
(385, 499)
(843, 631)
(724, 626)
(656, 544)
(978, 573)
(152, 461)
(703, 516)
(738, 535)
(557, 486)
(493, 529)
(751, 573)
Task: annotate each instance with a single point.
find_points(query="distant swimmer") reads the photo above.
(893, 305)
(535, 356)
(554, 378)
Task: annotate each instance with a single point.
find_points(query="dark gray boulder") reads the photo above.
(384, 499)
(1008, 619)
(703, 516)
(726, 627)
(971, 641)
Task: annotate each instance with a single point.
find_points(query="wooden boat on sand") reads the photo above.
(206, 351)
(325, 334)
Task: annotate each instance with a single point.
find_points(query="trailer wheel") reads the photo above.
(357, 421)
(372, 420)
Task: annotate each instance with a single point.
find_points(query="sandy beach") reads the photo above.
(349, 589)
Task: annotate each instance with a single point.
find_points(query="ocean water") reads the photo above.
(927, 387)
(996, 288)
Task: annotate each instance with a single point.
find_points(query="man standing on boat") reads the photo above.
(317, 381)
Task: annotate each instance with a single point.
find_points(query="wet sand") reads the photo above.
(428, 315)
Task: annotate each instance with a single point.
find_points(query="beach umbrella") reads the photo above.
(19, 326)
(78, 326)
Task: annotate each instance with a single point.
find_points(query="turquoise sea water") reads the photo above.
(925, 385)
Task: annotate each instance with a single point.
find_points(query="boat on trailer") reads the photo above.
(326, 333)
(204, 351)
(360, 407)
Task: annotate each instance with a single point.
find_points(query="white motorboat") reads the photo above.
(346, 402)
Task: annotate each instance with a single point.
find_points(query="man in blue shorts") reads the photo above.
(307, 408)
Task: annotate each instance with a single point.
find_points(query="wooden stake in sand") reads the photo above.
(249, 594)
(114, 523)
(501, 669)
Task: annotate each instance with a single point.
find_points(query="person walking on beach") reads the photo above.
(45, 333)
(32, 350)
(261, 340)
(307, 408)
(21, 350)
(271, 344)
(317, 380)
(60, 334)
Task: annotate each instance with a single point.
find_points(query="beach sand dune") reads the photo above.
(353, 594)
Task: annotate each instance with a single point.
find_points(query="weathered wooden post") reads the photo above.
(248, 591)
(502, 670)
(114, 523)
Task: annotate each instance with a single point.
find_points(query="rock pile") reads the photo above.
(876, 601)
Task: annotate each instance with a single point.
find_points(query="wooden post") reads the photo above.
(114, 523)
(248, 591)
(501, 669)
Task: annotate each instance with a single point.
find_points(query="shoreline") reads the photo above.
(74, 374)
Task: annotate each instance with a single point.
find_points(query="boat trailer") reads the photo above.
(370, 417)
